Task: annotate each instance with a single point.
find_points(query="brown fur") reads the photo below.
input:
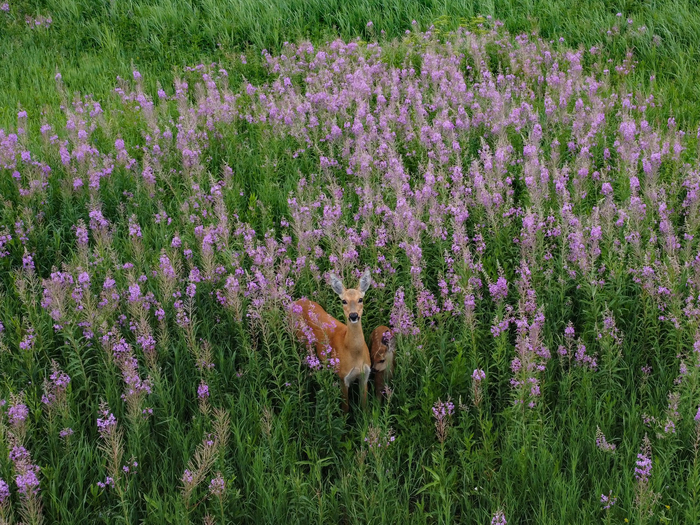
(346, 340)
(383, 358)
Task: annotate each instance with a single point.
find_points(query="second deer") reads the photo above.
(383, 348)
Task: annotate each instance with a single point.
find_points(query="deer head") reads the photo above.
(352, 297)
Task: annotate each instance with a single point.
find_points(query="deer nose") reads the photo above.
(354, 317)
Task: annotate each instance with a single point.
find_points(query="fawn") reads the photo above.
(346, 341)
(383, 347)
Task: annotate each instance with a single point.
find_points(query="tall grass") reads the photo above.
(91, 42)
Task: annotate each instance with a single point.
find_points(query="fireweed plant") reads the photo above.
(532, 233)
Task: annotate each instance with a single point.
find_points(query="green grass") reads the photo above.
(92, 41)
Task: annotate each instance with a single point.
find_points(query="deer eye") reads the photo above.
(344, 301)
(380, 362)
(359, 300)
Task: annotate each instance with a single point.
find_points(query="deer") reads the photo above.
(383, 345)
(346, 342)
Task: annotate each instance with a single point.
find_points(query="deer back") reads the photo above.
(326, 328)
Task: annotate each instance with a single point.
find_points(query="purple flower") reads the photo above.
(203, 391)
(312, 361)
(499, 290)
(27, 474)
(108, 482)
(134, 292)
(499, 518)
(17, 414)
(55, 387)
(106, 424)
(167, 267)
(642, 470)
(28, 481)
(217, 486)
(569, 331)
(442, 412)
(27, 261)
(584, 359)
(97, 221)
(28, 342)
(147, 342)
(602, 443)
(401, 317)
(60, 379)
(134, 228)
(479, 375)
(608, 500)
(4, 492)
(377, 439)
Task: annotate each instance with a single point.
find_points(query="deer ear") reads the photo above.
(337, 285)
(365, 281)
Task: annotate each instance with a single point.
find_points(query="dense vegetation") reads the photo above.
(92, 41)
(529, 210)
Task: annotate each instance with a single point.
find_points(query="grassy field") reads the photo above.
(92, 41)
(530, 215)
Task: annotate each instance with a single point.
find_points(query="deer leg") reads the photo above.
(364, 380)
(344, 388)
(379, 383)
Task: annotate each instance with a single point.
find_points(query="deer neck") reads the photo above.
(354, 337)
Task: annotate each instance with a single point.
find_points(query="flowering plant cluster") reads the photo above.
(442, 412)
